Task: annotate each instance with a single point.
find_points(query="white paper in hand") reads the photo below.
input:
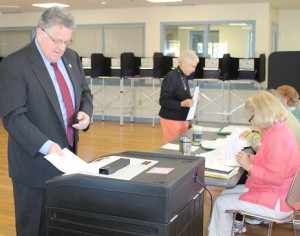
(193, 108)
(69, 163)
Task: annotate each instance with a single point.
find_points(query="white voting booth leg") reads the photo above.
(225, 109)
(121, 101)
(101, 91)
(91, 88)
(211, 100)
(131, 103)
(151, 96)
(232, 94)
(102, 106)
(95, 92)
(155, 105)
(134, 90)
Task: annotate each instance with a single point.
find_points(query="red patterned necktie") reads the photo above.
(67, 101)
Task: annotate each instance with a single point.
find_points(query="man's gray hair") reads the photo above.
(56, 16)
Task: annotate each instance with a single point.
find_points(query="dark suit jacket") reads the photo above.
(30, 111)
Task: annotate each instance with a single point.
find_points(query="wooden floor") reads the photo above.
(103, 138)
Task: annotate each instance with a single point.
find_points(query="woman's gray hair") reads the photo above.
(56, 16)
(277, 95)
(189, 57)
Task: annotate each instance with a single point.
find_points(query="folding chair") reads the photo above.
(292, 199)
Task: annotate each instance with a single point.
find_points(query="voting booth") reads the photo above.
(211, 69)
(164, 199)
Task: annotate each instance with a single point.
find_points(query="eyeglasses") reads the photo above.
(59, 41)
(251, 118)
(192, 65)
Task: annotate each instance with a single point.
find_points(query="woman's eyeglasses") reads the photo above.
(251, 118)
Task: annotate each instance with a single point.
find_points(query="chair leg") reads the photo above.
(232, 227)
(294, 229)
(233, 224)
(270, 228)
(244, 217)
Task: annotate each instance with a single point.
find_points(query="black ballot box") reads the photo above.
(163, 200)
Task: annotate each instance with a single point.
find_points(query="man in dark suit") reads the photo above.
(36, 115)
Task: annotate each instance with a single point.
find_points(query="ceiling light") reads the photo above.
(186, 28)
(48, 5)
(162, 1)
(238, 24)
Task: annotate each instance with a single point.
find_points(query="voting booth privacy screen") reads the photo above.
(163, 200)
(283, 69)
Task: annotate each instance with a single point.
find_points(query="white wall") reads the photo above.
(289, 30)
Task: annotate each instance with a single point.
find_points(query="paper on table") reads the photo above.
(221, 168)
(231, 128)
(213, 144)
(224, 154)
(221, 156)
(192, 110)
(71, 164)
(219, 142)
(221, 174)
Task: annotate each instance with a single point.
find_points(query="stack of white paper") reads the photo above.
(225, 152)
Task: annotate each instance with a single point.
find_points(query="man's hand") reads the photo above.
(83, 121)
(55, 148)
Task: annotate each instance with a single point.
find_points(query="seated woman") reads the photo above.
(271, 169)
(254, 136)
(291, 98)
(254, 139)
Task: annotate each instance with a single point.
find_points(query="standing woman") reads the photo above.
(270, 171)
(175, 97)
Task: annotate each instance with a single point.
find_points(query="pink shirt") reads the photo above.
(274, 167)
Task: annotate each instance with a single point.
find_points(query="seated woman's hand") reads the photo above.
(245, 133)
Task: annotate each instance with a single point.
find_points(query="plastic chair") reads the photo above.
(292, 199)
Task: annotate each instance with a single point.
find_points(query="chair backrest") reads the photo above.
(293, 197)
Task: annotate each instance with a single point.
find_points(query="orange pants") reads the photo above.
(172, 128)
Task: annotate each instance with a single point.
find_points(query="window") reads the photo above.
(210, 40)
(12, 40)
(123, 38)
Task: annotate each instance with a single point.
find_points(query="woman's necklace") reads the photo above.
(182, 80)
